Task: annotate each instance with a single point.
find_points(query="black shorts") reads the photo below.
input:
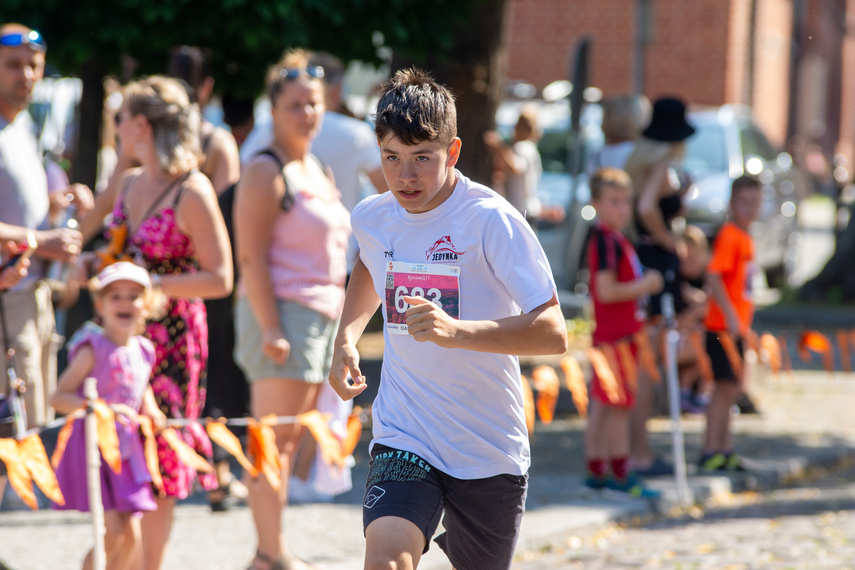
(722, 370)
(482, 516)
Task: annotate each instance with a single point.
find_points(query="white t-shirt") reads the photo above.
(521, 188)
(460, 410)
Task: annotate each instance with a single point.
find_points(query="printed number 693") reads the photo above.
(433, 295)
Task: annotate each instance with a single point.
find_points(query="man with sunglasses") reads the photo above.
(25, 206)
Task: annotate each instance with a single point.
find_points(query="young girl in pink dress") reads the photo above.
(121, 361)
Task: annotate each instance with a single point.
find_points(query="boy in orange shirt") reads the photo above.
(730, 313)
(618, 282)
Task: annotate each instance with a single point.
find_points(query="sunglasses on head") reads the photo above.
(293, 72)
(33, 39)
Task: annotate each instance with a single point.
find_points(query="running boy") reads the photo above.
(464, 286)
(731, 311)
(617, 284)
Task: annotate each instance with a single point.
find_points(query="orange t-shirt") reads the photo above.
(733, 259)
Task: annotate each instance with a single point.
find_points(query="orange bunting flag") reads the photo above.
(108, 438)
(814, 341)
(545, 381)
(261, 444)
(628, 364)
(696, 342)
(186, 454)
(354, 432)
(32, 452)
(61, 442)
(220, 434)
(574, 379)
(528, 404)
(16, 470)
(843, 347)
(328, 443)
(152, 463)
(606, 376)
(772, 348)
(646, 358)
(732, 354)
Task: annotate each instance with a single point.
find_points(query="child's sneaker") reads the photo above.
(595, 481)
(733, 462)
(633, 486)
(713, 462)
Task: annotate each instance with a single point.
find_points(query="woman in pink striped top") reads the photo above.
(292, 242)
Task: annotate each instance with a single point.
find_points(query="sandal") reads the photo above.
(269, 563)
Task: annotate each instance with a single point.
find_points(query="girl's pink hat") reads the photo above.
(124, 271)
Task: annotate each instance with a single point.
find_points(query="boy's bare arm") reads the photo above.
(610, 290)
(719, 293)
(540, 331)
(360, 303)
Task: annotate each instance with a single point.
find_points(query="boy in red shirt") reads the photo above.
(618, 282)
(729, 317)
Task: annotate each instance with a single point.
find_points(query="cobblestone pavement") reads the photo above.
(810, 525)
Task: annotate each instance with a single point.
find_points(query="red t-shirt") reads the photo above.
(609, 250)
(733, 259)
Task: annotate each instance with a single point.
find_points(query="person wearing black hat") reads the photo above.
(659, 189)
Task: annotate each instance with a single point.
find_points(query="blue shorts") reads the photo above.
(310, 334)
(482, 516)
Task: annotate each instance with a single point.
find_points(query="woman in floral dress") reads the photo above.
(175, 229)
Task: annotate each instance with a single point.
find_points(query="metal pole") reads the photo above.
(671, 349)
(93, 475)
(17, 387)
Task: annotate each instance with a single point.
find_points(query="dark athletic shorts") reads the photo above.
(482, 516)
(722, 371)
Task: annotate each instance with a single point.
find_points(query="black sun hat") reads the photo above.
(668, 123)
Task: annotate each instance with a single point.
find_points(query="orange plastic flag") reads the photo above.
(843, 347)
(646, 358)
(354, 432)
(108, 438)
(732, 354)
(61, 442)
(546, 382)
(606, 376)
(261, 444)
(33, 453)
(152, 463)
(770, 344)
(186, 454)
(574, 379)
(701, 356)
(815, 341)
(220, 434)
(628, 364)
(528, 404)
(328, 443)
(16, 470)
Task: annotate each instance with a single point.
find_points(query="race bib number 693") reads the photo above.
(439, 284)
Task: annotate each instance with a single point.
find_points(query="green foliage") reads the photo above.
(245, 36)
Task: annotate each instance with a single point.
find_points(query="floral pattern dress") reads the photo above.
(180, 339)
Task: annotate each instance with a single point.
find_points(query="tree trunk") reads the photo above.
(474, 70)
(85, 162)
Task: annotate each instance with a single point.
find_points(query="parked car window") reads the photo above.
(755, 143)
(706, 152)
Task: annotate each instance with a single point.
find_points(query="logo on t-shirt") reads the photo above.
(443, 250)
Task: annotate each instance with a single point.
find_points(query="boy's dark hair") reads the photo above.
(608, 177)
(415, 108)
(743, 182)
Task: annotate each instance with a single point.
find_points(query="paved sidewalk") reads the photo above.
(804, 422)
